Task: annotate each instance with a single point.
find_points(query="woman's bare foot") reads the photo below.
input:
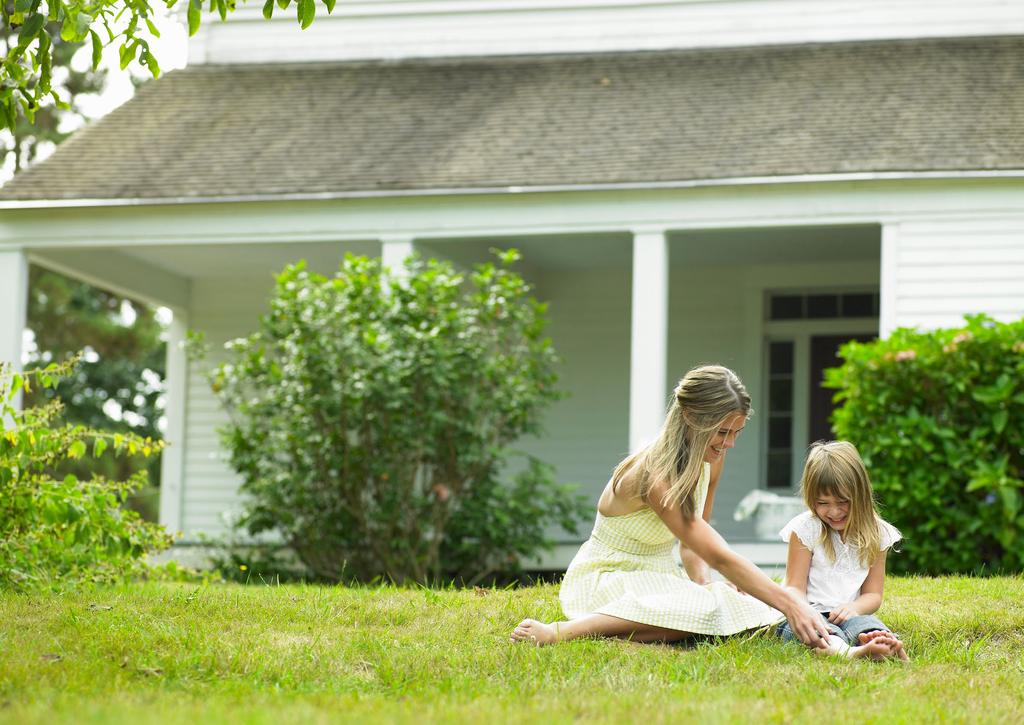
(898, 650)
(534, 632)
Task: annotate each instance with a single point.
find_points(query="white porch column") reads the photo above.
(888, 283)
(172, 461)
(13, 307)
(393, 252)
(649, 337)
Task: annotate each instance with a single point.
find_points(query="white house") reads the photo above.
(742, 181)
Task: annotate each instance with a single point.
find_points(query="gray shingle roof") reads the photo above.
(209, 131)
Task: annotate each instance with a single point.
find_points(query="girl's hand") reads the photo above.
(841, 613)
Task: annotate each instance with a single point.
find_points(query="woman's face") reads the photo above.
(725, 437)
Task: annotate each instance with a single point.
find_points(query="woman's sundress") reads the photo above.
(627, 570)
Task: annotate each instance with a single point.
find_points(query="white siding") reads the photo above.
(435, 28)
(586, 434)
(942, 270)
(222, 310)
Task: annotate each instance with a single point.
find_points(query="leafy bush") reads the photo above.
(939, 420)
(56, 529)
(371, 414)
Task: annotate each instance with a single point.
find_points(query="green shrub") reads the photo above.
(371, 416)
(55, 529)
(939, 419)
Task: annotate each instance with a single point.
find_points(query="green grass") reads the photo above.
(160, 653)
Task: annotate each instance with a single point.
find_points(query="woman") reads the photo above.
(624, 581)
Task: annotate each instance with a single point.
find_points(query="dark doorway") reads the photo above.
(824, 349)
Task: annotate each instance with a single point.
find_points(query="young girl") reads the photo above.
(837, 553)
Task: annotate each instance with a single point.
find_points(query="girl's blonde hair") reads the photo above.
(701, 402)
(834, 468)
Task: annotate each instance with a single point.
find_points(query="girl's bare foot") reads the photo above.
(534, 632)
(898, 650)
(876, 648)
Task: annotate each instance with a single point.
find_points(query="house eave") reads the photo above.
(865, 176)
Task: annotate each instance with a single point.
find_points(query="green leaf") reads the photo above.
(152, 28)
(195, 9)
(306, 9)
(283, 4)
(128, 53)
(268, 9)
(999, 420)
(1010, 499)
(30, 30)
(61, 104)
(97, 49)
(67, 28)
(330, 5)
(28, 107)
(10, 117)
(45, 61)
(98, 446)
(76, 449)
(994, 393)
(151, 63)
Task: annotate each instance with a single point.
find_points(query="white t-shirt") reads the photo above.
(829, 583)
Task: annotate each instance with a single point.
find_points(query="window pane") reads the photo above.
(787, 307)
(822, 306)
(780, 432)
(778, 469)
(858, 305)
(780, 395)
(780, 358)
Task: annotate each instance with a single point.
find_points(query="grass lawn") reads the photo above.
(162, 653)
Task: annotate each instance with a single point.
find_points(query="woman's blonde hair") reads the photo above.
(834, 468)
(702, 401)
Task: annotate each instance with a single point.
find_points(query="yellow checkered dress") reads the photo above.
(627, 570)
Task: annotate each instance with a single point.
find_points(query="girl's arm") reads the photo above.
(703, 540)
(798, 566)
(696, 568)
(870, 598)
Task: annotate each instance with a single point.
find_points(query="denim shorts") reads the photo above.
(848, 631)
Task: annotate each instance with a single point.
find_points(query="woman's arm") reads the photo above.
(870, 598)
(699, 537)
(696, 568)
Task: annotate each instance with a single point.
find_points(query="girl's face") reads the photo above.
(833, 510)
(725, 437)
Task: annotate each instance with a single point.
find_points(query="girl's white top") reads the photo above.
(831, 583)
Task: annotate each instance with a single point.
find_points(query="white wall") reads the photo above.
(362, 29)
(222, 309)
(938, 271)
(587, 433)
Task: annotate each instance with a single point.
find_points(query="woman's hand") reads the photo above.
(807, 624)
